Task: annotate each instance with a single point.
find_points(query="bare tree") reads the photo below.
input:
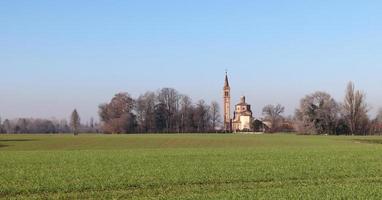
(7, 126)
(273, 114)
(145, 108)
(23, 125)
(1, 126)
(376, 124)
(169, 97)
(379, 115)
(117, 116)
(63, 126)
(186, 109)
(215, 114)
(202, 116)
(318, 113)
(75, 122)
(160, 117)
(33, 125)
(91, 123)
(355, 109)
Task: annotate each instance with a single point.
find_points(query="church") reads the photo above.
(242, 115)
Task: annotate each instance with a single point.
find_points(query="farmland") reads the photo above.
(190, 166)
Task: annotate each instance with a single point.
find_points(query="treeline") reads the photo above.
(319, 113)
(168, 111)
(31, 125)
(165, 111)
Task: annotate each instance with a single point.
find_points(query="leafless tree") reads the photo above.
(215, 114)
(23, 125)
(202, 116)
(273, 114)
(169, 97)
(186, 109)
(379, 115)
(62, 126)
(355, 110)
(376, 124)
(1, 126)
(145, 108)
(117, 116)
(160, 118)
(7, 126)
(91, 123)
(32, 125)
(318, 113)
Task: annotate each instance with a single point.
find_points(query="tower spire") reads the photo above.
(226, 83)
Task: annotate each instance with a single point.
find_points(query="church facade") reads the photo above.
(242, 116)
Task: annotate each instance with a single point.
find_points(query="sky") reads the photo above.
(59, 55)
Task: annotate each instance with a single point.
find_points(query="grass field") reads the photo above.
(190, 167)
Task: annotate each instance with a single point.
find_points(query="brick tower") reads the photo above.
(227, 105)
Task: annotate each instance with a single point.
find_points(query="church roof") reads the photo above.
(242, 104)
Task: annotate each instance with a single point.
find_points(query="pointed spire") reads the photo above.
(226, 83)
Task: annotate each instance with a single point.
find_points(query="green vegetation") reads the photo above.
(190, 167)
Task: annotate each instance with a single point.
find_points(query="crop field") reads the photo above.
(190, 166)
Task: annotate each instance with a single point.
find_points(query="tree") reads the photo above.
(75, 122)
(215, 114)
(202, 116)
(23, 125)
(377, 123)
(318, 113)
(1, 126)
(355, 110)
(169, 97)
(186, 112)
(379, 115)
(273, 114)
(63, 126)
(145, 108)
(32, 125)
(117, 116)
(160, 117)
(7, 126)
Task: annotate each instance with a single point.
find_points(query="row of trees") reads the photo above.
(319, 113)
(164, 111)
(31, 125)
(168, 111)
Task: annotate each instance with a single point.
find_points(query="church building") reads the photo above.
(242, 117)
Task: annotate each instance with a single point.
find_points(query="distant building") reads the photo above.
(242, 120)
(242, 117)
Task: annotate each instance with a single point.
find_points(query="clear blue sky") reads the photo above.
(60, 55)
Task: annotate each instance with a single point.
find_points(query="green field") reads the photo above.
(190, 167)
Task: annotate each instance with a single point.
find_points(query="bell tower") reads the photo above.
(227, 105)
